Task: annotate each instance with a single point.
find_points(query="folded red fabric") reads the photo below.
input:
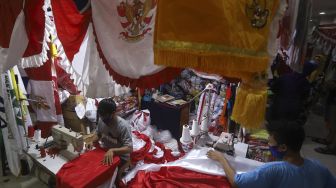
(86, 171)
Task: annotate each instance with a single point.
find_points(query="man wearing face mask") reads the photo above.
(292, 170)
(114, 134)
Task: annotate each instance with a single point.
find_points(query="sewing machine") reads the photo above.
(70, 142)
(225, 143)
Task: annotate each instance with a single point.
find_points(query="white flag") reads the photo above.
(124, 29)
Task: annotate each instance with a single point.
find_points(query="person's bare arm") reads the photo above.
(108, 158)
(229, 171)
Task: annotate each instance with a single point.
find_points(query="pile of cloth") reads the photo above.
(159, 161)
(125, 104)
(258, 146)
(151, 145)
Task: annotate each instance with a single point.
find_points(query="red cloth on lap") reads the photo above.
(86, 171)
(177, 177)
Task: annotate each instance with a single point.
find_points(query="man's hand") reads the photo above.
(108, 158)
(215, 155)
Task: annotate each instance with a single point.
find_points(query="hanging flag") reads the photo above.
(225, 37)
(124, 31)
(9, 23)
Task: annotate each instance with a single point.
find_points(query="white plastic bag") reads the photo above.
(141, 120)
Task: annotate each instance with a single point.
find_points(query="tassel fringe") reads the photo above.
(250, 107)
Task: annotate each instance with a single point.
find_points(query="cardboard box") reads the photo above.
(72, 122)
(70, 117)
(72, 102)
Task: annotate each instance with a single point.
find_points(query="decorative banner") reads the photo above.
(124, 30)
(35, 20)
(229, 38)
(324, 37)
(9, 10)
(71, 25)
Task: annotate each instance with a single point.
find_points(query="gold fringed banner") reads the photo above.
(215, 36)
(250, 106)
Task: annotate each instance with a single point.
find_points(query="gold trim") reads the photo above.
(205, 48)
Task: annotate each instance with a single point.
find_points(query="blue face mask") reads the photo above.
(276, 153)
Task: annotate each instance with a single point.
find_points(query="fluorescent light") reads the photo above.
(322, 13)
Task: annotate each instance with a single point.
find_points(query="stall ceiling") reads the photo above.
(327, 6)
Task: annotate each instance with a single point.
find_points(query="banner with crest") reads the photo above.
(124, 30)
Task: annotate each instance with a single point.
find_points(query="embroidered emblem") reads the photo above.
(257, 13)
(136, 15)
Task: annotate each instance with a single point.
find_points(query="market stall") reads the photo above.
(185, 86)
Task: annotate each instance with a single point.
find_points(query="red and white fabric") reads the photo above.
(37, 22)
(173, 176)
(13, 37)
(42, 83)
(195, 161)
(17, 45)
(145, 150)
(140, 120)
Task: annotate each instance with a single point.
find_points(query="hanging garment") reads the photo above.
(297, 51)
(124, 33)
(214, 36)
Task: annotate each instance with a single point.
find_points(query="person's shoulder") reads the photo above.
(274, 166)
(314, 163)
(121, 120)
(123, 124)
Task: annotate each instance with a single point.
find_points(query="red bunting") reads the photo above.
(9, 10)
(71, 25)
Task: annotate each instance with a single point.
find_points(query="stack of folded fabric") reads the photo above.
(258, 146)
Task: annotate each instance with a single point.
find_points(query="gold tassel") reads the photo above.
(250, 106)
(216, 63)
(53, 48)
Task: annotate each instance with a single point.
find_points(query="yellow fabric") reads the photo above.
(18, 94)
(15, 87)
(250, 106)
(53, 48)
(212, 36)
(259, 134)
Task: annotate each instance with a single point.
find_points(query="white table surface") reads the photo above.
(240, 149)
(51, 164)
